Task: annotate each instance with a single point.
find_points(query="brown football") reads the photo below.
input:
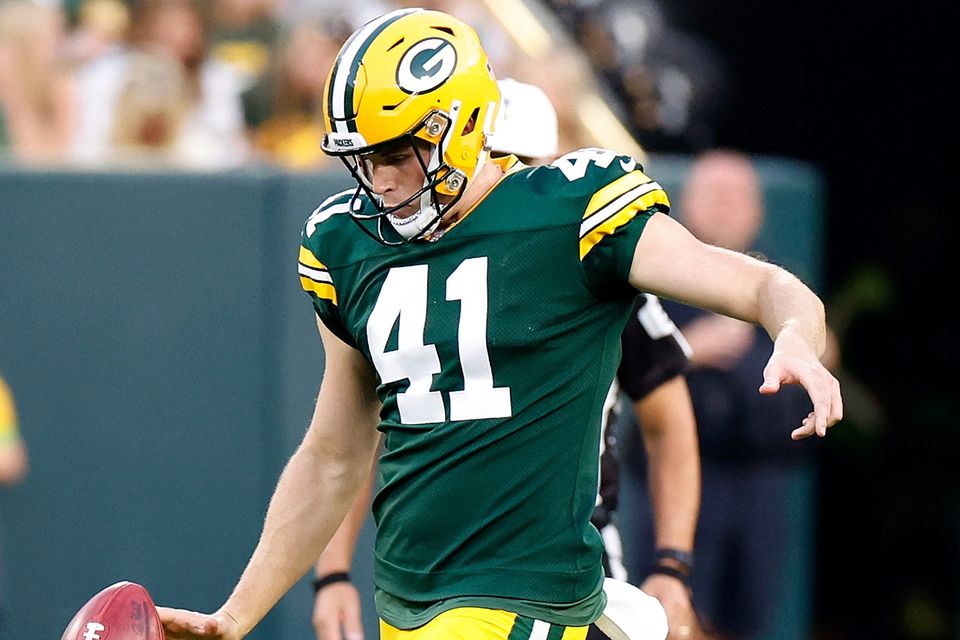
(122, 611)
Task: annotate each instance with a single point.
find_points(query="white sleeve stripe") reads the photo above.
(314, 274)
(611, 209)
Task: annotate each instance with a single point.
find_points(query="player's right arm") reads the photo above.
(315, 490)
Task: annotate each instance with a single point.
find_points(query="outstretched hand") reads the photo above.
(180, 624)
(793, 362)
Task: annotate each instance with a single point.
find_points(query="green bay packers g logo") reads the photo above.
(426, 65)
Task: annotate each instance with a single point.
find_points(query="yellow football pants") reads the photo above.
(471, 623)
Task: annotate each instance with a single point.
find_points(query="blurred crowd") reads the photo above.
(669, 85)
(220, 84)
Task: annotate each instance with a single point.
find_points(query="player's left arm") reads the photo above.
(336, 605)
(669, 432)
(743, 287)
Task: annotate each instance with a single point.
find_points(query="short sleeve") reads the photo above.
(316, 280)
(612, 223)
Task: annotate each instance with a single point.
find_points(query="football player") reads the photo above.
(471, 310)
(654, 358)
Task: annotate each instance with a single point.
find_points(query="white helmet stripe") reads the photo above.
(345, 70)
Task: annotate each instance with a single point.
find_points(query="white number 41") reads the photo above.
(403, 300)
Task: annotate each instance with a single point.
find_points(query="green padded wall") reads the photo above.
(141, 328)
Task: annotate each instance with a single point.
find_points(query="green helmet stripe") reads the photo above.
(340, 98)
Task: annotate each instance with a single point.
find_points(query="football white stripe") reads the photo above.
(320, 214)
(314, 274)
(540, 630)
(614, 207)
(342, 74)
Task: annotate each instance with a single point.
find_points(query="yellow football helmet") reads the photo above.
(412, 75)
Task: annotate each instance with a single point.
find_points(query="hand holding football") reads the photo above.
(122, 611)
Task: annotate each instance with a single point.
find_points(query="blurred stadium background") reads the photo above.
(165, 363)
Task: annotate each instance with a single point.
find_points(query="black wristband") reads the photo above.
(683, 558)
(330, 578)
(672, 572)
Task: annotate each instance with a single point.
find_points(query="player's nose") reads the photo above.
(383, 179)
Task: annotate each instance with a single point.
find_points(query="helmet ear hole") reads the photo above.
(471, 122)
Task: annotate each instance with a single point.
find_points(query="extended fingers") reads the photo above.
(824, 392)
(180, 624)
(806, 428)
(827, 403)
(836, 404)
(818, 421)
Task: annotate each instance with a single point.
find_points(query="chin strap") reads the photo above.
(420, 223)
(430, 213)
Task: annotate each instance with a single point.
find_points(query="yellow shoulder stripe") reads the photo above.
(321, 289)
(308, 259)
(619, 217)
(614, 190)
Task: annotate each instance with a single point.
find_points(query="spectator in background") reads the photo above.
(36, 90)
(283, 110)
(101, 26)
(210, 135)
(292, 13)
(744, 534)
(245, 35)
(150, 111)
(669, 85)
(13, 453)
(562, 75)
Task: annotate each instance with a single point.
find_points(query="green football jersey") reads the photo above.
(494, 348)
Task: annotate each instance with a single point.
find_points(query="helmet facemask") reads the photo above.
(389, 228)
